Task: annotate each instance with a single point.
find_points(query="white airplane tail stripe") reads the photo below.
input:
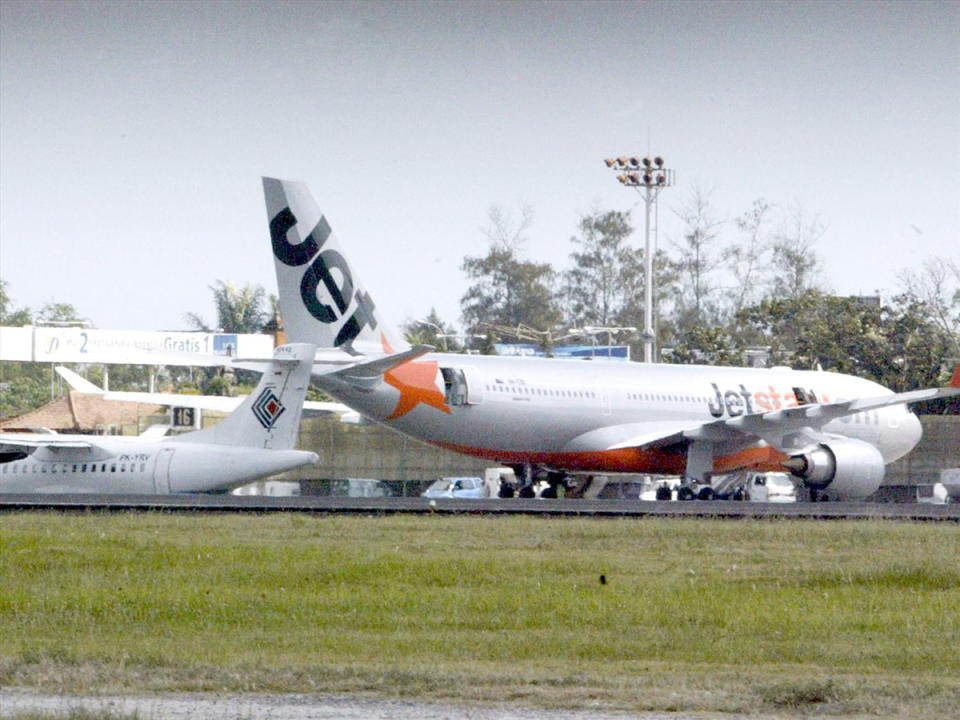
(270, 416)
(321, 301)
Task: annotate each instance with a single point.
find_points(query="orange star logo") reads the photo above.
(416, 381)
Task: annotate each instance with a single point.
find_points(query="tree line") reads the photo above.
(725, 288)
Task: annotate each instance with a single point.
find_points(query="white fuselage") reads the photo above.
(566, 414)
(136, 466)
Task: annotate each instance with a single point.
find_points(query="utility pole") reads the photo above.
(648, 177)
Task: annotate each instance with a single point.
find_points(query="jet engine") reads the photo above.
(846, 469)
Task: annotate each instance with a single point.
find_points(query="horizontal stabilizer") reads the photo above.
(366, 375)
(320, 357)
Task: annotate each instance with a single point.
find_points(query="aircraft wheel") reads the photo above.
(506, 490)
(684, 492)
(527, 491)
(707, 493)
(663, 492)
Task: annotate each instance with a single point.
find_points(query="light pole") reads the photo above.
(439, 334)
(651, 176)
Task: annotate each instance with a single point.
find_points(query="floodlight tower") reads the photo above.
(647, 177)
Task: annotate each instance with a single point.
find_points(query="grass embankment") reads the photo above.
(844, 617)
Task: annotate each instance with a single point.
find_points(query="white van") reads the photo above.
(775, 487)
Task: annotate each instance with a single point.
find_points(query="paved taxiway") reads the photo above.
(513, 506)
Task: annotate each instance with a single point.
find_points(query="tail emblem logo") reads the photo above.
(319, 273)
(267, 408)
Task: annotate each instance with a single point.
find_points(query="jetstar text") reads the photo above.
(744, 402)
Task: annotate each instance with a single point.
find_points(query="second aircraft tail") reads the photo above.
(270, 416)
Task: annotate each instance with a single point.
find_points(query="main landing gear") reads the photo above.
(693, 490)
(533, 481)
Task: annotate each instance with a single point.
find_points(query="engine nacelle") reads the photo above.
(851, 469)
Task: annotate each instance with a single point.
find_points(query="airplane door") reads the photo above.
(161, 471)
(462, 385)
(604, 394)
(474, 382)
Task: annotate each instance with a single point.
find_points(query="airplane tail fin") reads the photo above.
(270, 416)
(321, 300)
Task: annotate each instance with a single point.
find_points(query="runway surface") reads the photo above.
(512, 506)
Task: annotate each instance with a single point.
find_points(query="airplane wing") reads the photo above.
(645, 435)
(217, 403)
(38, 440)
(16, 446)
(78, 382)
(773, 426)
(770, 427)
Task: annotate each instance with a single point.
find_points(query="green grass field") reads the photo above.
(844, 618)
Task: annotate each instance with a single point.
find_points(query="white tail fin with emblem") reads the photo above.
(270, 416)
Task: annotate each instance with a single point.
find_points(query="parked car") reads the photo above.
(457, 487)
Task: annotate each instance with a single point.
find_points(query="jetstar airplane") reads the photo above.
(833, 432)
(252, 442)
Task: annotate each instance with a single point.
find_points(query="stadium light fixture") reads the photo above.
(655, 177)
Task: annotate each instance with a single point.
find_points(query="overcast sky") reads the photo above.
(133, 135)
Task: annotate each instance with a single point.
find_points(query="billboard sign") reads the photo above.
(130, 347)
(585, 352)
